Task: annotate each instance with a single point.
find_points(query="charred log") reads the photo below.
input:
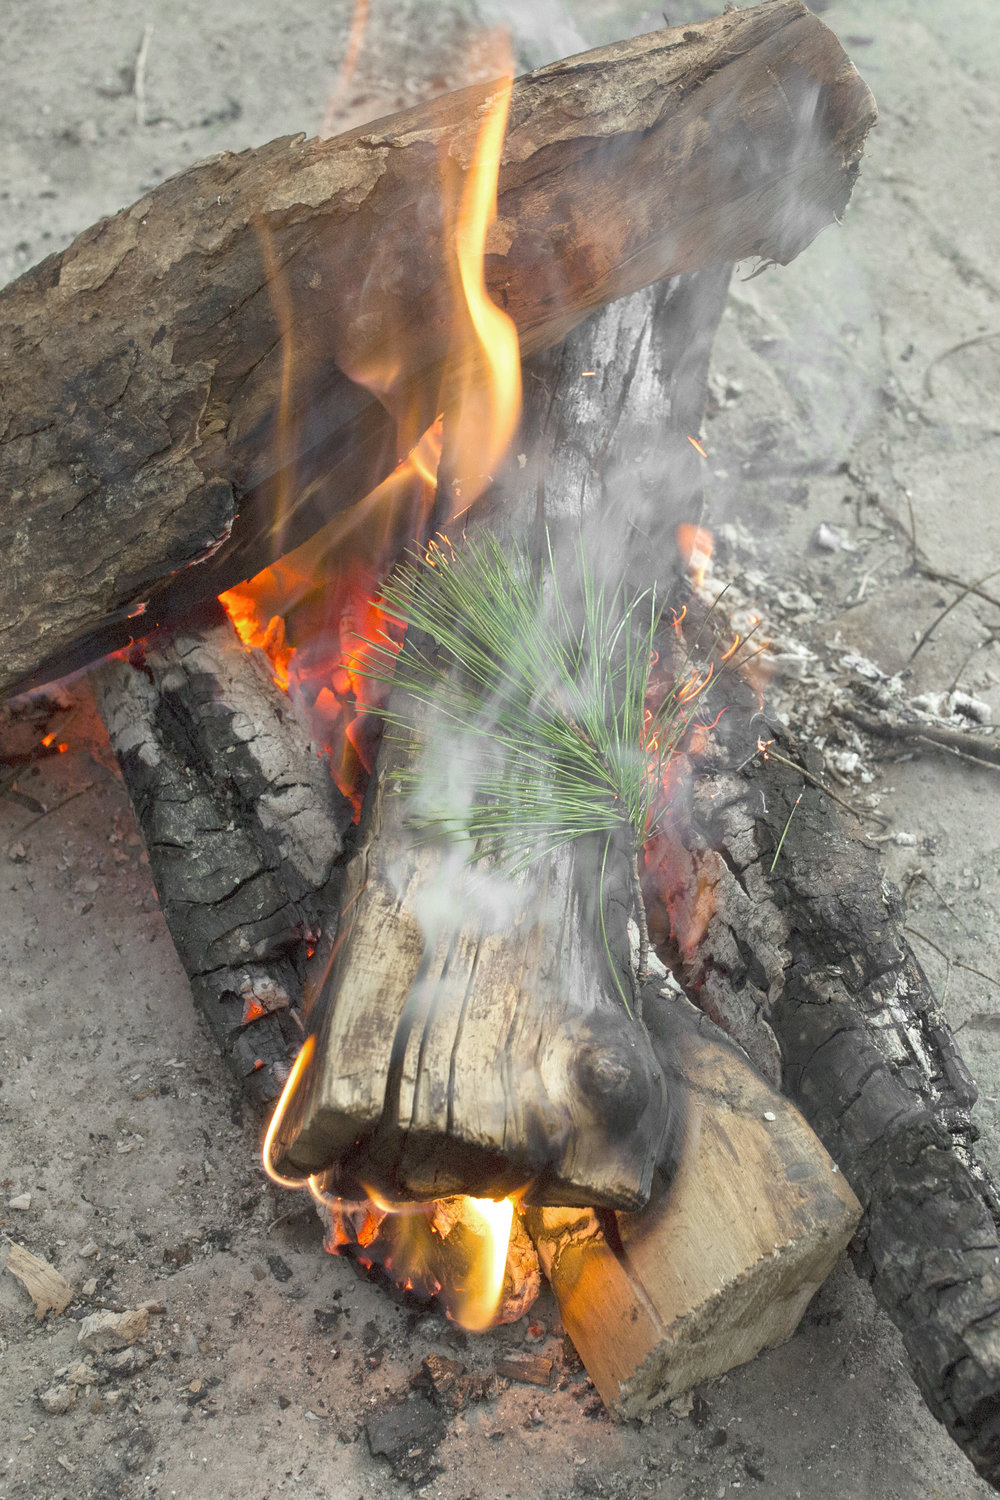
(140, 466)
(244, 829)
(803, 958)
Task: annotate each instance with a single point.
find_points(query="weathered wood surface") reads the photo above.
(143, 367)
(809, 966)
(455, 1054)
(730, 1250)
(244, 828)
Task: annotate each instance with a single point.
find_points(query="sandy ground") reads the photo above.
(264, 1359)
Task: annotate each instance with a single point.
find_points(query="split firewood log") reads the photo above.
(455, 1058)
(803, 958)
(244, 827)
(144, 367)
(733, 1245)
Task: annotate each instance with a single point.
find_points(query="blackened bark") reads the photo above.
(808, 966)
(243, 825)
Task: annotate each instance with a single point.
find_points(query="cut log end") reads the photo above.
(728, 1254)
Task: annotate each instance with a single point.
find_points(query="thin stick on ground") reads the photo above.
(972, 747)
(968, 589)
(955, 963)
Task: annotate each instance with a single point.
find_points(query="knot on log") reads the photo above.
(606, 1072)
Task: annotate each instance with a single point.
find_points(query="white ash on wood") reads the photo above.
(244, 827)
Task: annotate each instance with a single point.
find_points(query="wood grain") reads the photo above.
(141, 368)
(729, 1252)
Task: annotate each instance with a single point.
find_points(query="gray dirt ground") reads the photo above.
(116, 1116)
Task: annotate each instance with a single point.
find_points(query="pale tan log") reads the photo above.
(450, 1058)
(143, 366)
(474, 1061)
(725, 1260)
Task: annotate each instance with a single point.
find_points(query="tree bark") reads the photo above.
(807, 965)
(244, 829)
(142, 466)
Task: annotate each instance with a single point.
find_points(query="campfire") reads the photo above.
(524, 985)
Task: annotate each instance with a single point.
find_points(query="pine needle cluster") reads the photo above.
(541, 688)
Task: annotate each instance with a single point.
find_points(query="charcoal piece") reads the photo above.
(407, 1436)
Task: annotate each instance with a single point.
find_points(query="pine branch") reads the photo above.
(541, 688)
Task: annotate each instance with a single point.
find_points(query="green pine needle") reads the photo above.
(544, 706)
(539, 693)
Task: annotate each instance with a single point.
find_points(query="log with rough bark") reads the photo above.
(458, 1055)
(244, 828)
(803, 958)
(142, 468)
(729, 1252)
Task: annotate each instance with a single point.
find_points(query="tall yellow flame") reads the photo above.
(487, 395)
(474, 1306)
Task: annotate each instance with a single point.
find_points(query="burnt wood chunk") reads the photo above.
(808, 963)
(143, 368)
(243, 825)
(729, 1252)
(458, 1055)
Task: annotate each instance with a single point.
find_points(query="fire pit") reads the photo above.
(263, 996)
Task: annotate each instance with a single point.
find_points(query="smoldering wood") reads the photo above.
(455, 1058)
(244, 828)
(439, 1246)
(735, 1242)
(143, 367)
(808, 964)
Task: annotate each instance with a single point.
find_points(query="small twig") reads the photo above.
(971, 588)
(958, 583)
(139, 76)
(979, 646)
(57, 807)
(914, 550)
(788, 820)
(956, 962)
(979, 338)
(642, 968)
(816, 781)
(959, 742)
(922, 874)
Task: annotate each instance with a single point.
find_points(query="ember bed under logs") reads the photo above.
(534, 1057)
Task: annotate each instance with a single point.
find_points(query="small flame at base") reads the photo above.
(409, 1239)
(475, 1305)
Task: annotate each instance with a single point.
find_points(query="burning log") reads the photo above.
(723, 1262)
(452, 1057)
(803, 957)
(146, 365)
(244, 827)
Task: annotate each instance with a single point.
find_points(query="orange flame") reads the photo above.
(487, 381)
(407, 1238)
(336, 615)
(355, 39)
(476, 1303)
(695, 545)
